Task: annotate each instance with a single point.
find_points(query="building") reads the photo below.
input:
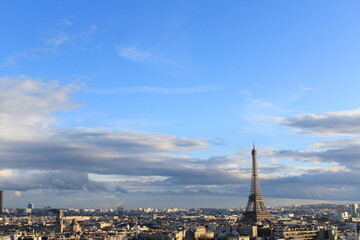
(354, 210)
(75, 226)
(327, 235)
(59, 222)
(31, 205)
(298, 234)
(1, 201)
(120, 209)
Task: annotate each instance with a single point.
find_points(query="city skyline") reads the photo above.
(156, 104)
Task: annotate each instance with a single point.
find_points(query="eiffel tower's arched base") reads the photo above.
(254, 218)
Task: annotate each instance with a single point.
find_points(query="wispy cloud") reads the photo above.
(306, 88)
(58, 40)
(58, 37)
(134, 54)
(260, 85)
(14, 58)
(66, 22)
(259, 102)
(157, 90)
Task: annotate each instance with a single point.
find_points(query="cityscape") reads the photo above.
(179, 120)
(256, 221)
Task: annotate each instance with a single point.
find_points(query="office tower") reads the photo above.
(120, 209)
(354, 210)
(31, 206)
(1, 201)
(255, 210)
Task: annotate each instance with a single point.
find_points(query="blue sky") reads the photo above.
(157, 103)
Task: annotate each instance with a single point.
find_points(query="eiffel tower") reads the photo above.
(255, 210)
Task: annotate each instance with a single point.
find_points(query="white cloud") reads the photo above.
(134, 54)
(55, 180)
(26, 106)
(341, 123)
(30, 139)
(345, 153)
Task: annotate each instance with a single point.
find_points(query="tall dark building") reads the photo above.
(1, 201)
(255, 210)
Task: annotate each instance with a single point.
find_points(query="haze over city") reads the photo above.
(157, 103)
